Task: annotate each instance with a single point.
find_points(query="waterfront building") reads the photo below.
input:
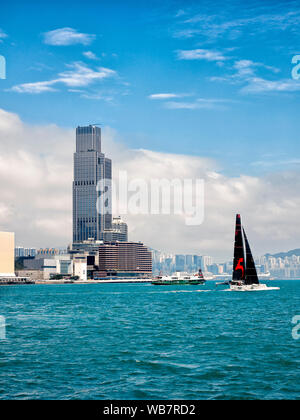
(7, 260)
(90, 166)
(49, 268)
(89, 250)
(80, 270)
(32, 275)
(87, 263)
(33, 263)
(64, 266)
(55, 265)
(59, 265)
(7, 256)
(124, 259)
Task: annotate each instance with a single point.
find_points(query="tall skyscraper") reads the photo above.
(91, 206)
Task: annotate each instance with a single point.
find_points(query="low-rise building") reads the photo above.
(124, 259)
(80, 270)
(35, 275)
(57, 265)
(7, 260)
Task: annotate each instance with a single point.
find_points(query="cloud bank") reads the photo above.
(36, 194)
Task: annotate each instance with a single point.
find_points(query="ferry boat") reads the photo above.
(179, 280)
(244, 274)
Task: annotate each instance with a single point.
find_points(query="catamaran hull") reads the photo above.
(251, 288)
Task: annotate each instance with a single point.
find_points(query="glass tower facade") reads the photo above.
(91, 208)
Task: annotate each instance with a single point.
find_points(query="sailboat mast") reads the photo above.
(238, 272)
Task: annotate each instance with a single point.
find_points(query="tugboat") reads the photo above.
(179, 280)
(244, 276)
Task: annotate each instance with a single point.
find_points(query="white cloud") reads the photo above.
(211, 26)
(200, 54)
(67, 36)
(245, 72)
(37, 87)
(35, 179)
(103, 96)
(200, 103)
(260, 85)
(181, 105)
(2, 35)
(246, 67)
(35, 202)
(90, 55)
(164, 96)
(79, 75)
(273, 163)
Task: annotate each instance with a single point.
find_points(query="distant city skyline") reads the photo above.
(182, 89)
(285, 265)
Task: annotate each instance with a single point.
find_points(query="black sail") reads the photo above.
(238, 272)
(251, 274)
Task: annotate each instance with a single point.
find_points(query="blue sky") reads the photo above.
(216, 63)
(199, 79)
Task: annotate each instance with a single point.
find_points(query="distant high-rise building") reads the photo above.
(20, 251)
(206, 261)
(90, 166)
(180, 262)
(121, 228)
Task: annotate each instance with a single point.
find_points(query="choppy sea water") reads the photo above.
(138, 341)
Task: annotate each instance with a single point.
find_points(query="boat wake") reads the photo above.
(184, 291)
(188, 291)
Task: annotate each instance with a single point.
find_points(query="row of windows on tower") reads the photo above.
(84, 182)
(88, 130)
(83, 220)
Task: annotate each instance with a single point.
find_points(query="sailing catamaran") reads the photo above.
(244, 276)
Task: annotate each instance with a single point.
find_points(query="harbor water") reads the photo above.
(139, 341)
